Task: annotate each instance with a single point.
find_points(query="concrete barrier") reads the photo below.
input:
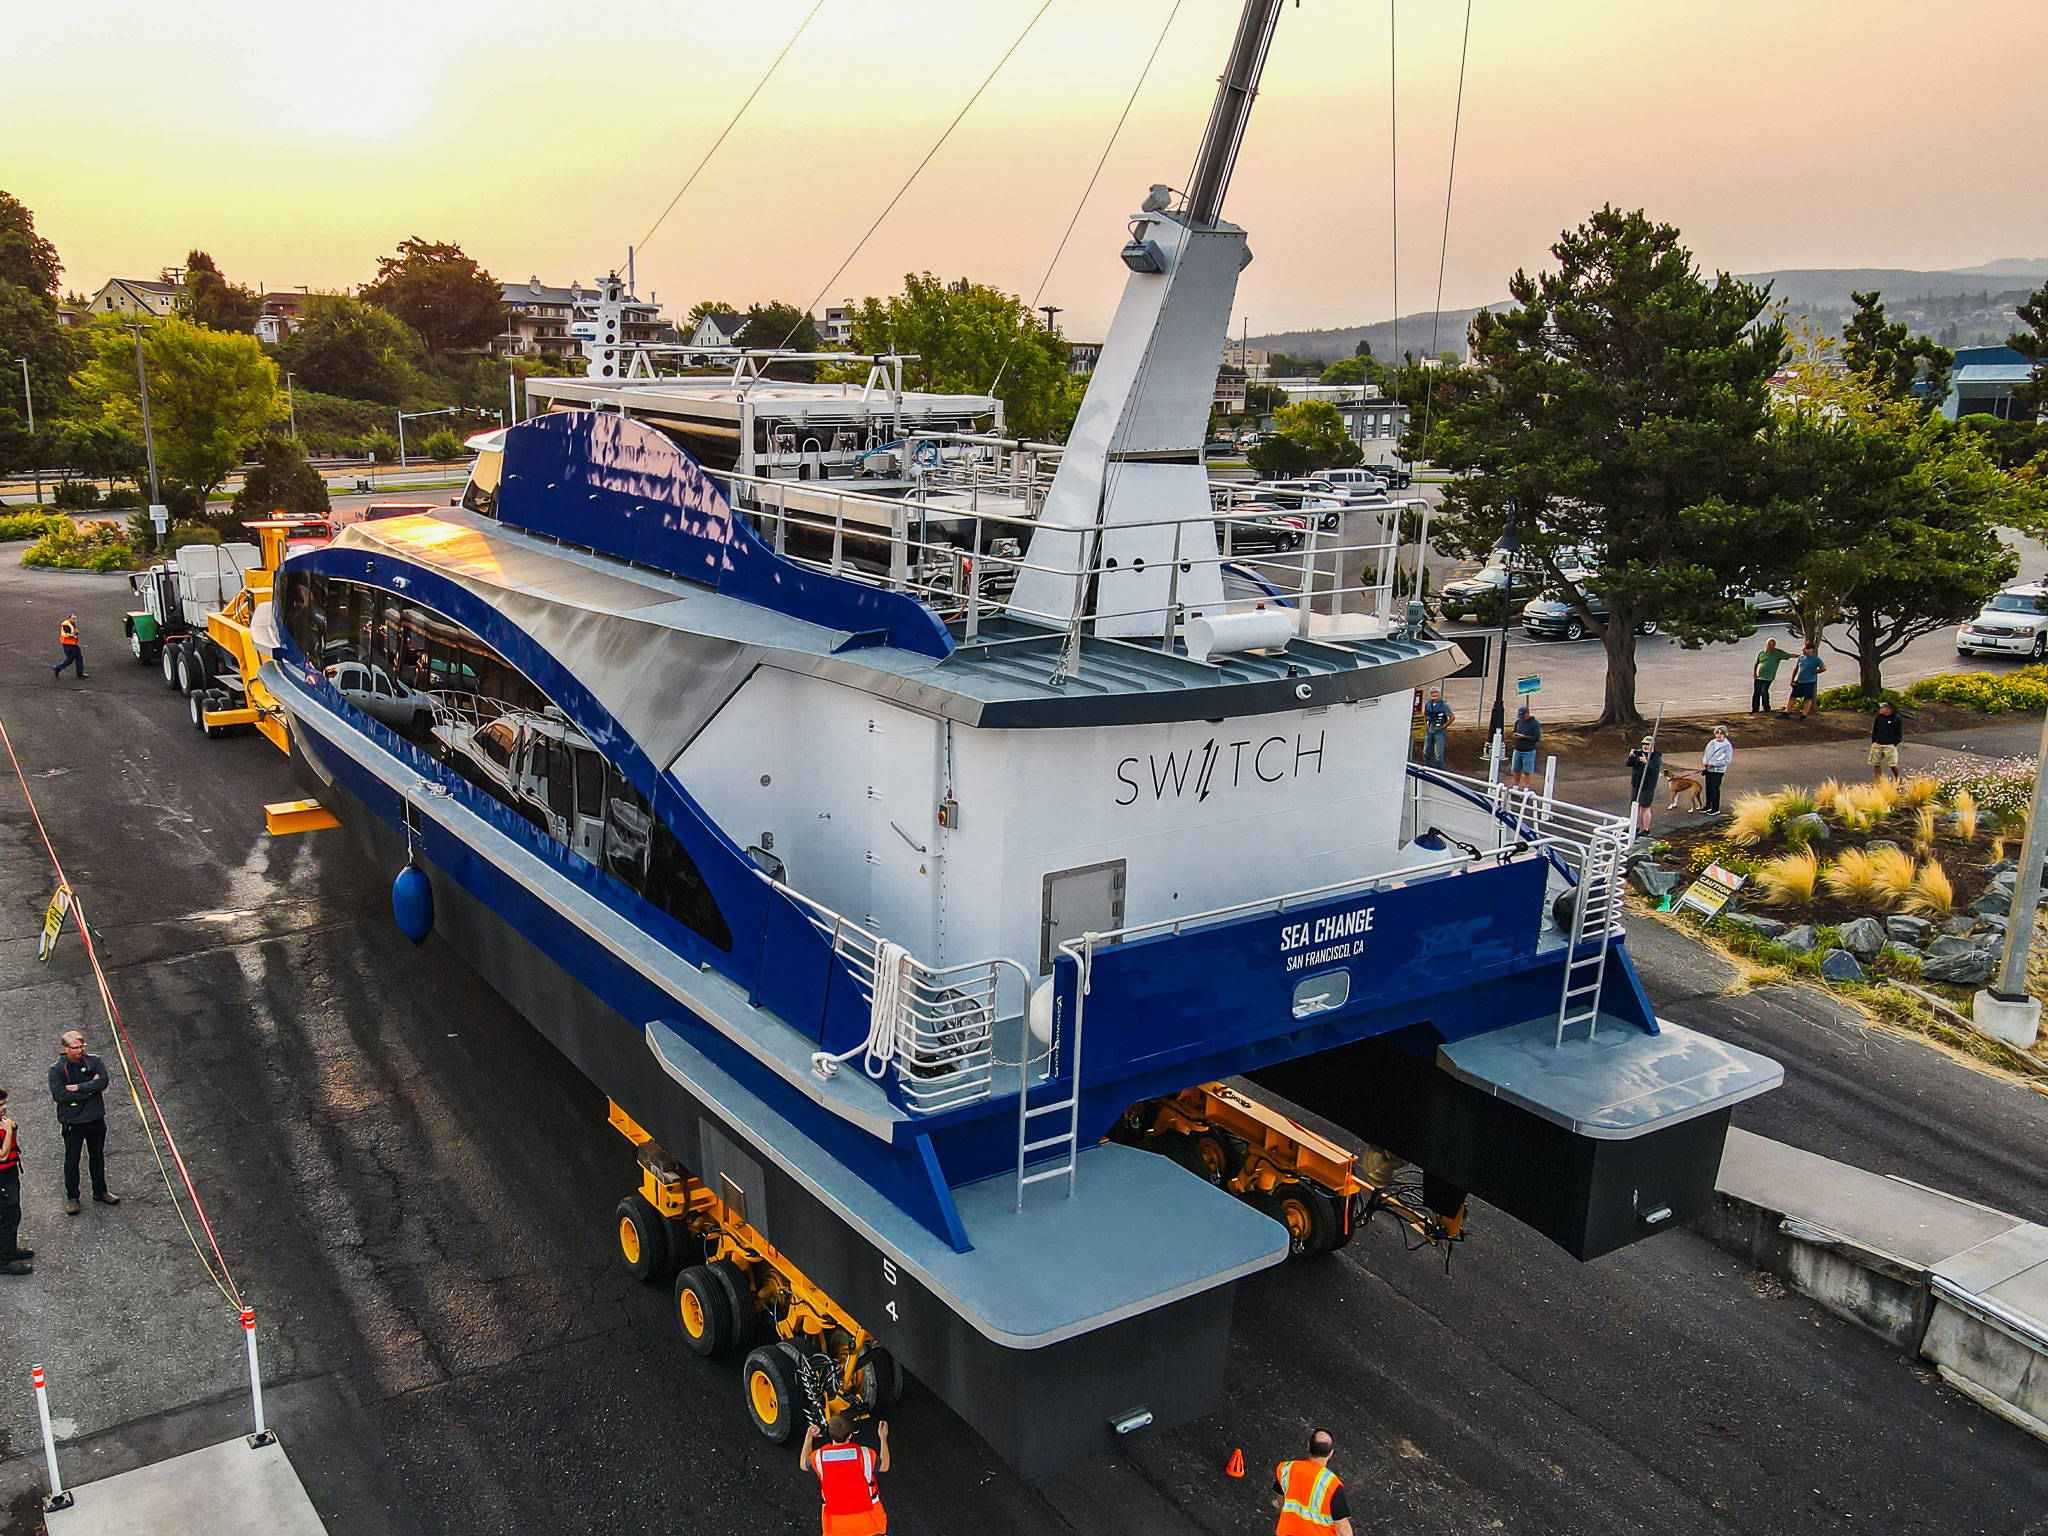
(1957, 1283)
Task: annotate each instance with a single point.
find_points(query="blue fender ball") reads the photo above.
(412, 903)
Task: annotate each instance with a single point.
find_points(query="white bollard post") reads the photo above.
(1550, 778)
(262, 1436)
(58, 1498)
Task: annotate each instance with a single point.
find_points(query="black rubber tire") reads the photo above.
(768, 1386)
(1647, 627)
(2040, 649)
(1575, 629)
(1218, 1155)
(1309, 1214)
(644, 1246)
(188, 671)
(703, 1312)
(202, 663)
(195, 707)
(881, 1380)
(168, 655)
(137, 647)
(739, 1293)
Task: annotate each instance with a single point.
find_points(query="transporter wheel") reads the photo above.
(643, 1240)
(769, 1381)
(136, 647)
(168, 655)
(704, 1311)
(188, 670)
(1309, 1214)
(1216, 1155)
(739, 1295)
(881, 1380)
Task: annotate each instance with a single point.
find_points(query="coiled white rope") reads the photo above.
(892, 963)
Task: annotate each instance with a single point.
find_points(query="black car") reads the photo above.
(1478, 596)
(1553, 617)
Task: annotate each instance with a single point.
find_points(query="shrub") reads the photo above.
(1724, 854)
(1751, 818)
(1788, 880)
(1933, 892)
(381, 446)
(1892, 875)
(1793, 803)
(2002, 787)
(443, 445)
(16, 526)
(75, 496)
(1853, 700)
(1826, 797)
(1860, 807)
(120, 498)
(1851, 876)
(87, 547)
(1993, 693)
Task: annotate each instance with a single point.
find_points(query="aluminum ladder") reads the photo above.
(1060, 1166)
(1595, 912)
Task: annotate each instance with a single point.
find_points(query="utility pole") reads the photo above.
(1508, 546)
(291, 406)
(28, 398)
(1050, 310)
(2005, 1011)
(159, 514)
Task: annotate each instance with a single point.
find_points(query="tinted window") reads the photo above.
(561, 776)
(589, 784)
(495, 742)
(626, 825)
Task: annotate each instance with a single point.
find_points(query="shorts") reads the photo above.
(1883, 755)
(1523, 762)
(1804, 690)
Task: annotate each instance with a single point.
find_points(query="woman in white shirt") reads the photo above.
(1714, 764)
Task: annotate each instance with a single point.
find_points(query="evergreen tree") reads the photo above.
(1890, 359)
(2032, 344)
(214, 302)
(280, 481)
(451, 302)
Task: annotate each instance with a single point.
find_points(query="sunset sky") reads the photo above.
(298, 142)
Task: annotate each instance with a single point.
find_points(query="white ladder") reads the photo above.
(1595, 911)
(1060, 1166)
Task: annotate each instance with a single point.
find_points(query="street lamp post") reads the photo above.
(1508, 546)
(405, 416)
(29, 399)
(157, 515)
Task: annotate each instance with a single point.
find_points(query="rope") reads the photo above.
(671, 208)
(1088, 191)
(131, 1067)
(890, 991)
(1394, 190)
(1444, 251)
(927, 160)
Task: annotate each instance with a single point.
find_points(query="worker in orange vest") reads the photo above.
(1308, 1495)
(846, 1477)
(67, 636)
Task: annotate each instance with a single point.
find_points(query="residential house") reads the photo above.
(136, 296)
(1982, 381)
(538, 317)
(1082, 356)
(718, 330)
(837, 330)
(1249, 360)
(279, 316)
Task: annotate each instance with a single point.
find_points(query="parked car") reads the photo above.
(1369, 481)
(2013, 623)
(1307, 496)
(1261, 528)
(1478, 596)
(1552, 616)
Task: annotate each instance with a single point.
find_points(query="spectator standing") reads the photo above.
(1437, 719)
(1645, 768)
(1762, 675)
(1714, 764)
(1806, 673)
(1886, 732)
(1528, 732)
(13, 1257)
(77, 1082)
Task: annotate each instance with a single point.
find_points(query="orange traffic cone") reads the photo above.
(1236, 1467)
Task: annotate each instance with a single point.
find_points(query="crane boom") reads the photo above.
(1235, 93)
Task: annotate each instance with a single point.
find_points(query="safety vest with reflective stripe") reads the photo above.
(11, 1156)
(846, 1477)
(68, 632)
(1307, 1489)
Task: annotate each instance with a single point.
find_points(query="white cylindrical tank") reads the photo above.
(1256, 629)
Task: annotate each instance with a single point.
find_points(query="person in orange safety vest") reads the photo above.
(846, 1477)
(67, 636)
(1308, 1495)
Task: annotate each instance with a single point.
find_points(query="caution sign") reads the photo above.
(53, 921)
(1714, 889)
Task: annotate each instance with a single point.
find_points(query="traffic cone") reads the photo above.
(1236, 1467)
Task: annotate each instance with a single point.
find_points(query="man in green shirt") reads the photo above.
(1762, 675)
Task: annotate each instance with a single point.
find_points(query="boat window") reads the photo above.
(561, 780)
(481, 494)
(589, 784)
(495, 741)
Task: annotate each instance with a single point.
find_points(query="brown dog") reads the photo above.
(1686, 782)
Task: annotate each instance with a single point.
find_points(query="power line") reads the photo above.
(927, 160)
(1443, 252)
(1394, 187)
(671, 208)
(1089, 190)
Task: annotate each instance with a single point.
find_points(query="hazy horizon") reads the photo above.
(298, 146)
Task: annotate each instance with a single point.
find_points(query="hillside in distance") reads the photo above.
(1972, 307)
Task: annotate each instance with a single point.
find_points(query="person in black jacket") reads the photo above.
(1645, 763)
(1886, 732)
(77, 1082)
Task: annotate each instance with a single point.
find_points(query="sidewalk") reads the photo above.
(231, 1489)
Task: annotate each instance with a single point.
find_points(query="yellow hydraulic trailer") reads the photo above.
(732, 1288)
(214, 710)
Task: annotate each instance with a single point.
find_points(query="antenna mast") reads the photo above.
(1232, 112)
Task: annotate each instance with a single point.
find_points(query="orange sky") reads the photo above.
(299, 142)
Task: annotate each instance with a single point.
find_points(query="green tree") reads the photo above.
(1309, 436)
(280, 480)
(1363, 369)
(27, 259)
(450, 301)
(773, 325)
(1897, 509)
(2031, 342)
(703, 310)
(1621, 409)
(1890, 358)
(210, 395)
(214, 302)
(28, 329)
(970, 338)
(345, 347)
(443, 446)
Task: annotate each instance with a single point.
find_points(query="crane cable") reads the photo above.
(734, 123)
(1394, 189)
(1443, 252)
(805, 312)
(1088, 191)
(131, 1068)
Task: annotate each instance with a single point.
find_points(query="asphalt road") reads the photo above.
(414, 1190)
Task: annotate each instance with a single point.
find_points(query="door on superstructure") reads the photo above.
(1088, 898)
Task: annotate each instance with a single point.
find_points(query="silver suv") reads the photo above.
(2013, 623)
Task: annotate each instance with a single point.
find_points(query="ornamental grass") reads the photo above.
(1851, 876)
(1751, 819)
(1933, 894)
(1892, 874)
(1920, 789)
(1923, 830)
(1789, 879)
(1827, 795)
(1966, 815)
